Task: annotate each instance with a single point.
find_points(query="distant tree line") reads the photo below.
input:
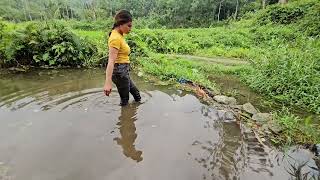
(172, 12)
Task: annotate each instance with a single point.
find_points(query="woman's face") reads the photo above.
(126, 28)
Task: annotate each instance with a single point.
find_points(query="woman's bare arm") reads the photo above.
(113, 54)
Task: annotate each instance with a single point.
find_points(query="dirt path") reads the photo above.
(218, 60)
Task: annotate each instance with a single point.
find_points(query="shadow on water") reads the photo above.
(58, 124)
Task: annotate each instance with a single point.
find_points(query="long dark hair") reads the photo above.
(122, 17)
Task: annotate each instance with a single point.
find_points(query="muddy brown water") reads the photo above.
(58, 125)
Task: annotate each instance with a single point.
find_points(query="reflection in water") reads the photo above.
(235, 153)
(229, 158)
(221, 160)
(128, 132)
(300, 166)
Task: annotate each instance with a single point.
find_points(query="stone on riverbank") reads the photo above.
(249, 108)
(225, 100)
(262, 118)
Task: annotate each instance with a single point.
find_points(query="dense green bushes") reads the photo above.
(2, 43)
(44, 44)
(303, 15)
(310, 24)
(193, 41)
(280, 15)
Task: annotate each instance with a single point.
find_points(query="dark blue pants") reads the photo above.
(125, 85)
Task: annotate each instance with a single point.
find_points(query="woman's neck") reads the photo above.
(118, 30)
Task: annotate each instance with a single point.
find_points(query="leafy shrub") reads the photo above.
(2, 52)
(280, 34)
(291, 13)
(281, 15)
(137, 46)
(47, 44)
(310, 24)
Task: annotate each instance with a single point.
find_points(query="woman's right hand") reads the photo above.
(113, 53)
(107, 88)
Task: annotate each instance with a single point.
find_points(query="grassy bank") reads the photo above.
(282, 43)
(172, 68)
(296, 130)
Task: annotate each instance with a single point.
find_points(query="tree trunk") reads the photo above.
(93, 7)
(219, 10)
(28, 5)
(71, 13)
(236, 13)
(30, 17)
(25, 11)
(67, 10)
(263, 4)
(110, 6)
(283, 1)
(94, 14)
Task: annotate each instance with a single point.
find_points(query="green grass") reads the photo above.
(165, 68)
(297, 130)
(171, 68)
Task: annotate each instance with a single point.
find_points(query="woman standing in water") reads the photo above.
(118, 63)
